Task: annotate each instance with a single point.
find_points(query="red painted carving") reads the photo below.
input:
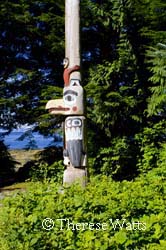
(67, 72)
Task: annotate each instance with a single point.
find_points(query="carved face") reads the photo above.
(73, 99)
(74, 139)
(71, 104)
(73, 128)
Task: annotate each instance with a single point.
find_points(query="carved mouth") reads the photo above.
(58, 106)
(51, 110)
(73, 133)
(73, 128)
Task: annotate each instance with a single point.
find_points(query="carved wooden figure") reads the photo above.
(68, 71)
(72, 102)
(56, 107)
(74, 148)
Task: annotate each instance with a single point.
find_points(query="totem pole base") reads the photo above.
(75, 175)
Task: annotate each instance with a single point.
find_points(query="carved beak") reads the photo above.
(56, 107)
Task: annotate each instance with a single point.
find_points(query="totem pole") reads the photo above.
(72, 103)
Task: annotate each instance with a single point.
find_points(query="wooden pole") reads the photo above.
(72, 103)
(72, 34)
(74, 173)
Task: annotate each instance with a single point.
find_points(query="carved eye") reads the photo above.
(69, 123)
(73, 123)
(76, 123)
(69, 99)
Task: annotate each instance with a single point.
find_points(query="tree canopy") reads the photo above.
(31, 51)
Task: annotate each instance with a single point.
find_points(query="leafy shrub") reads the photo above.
(46, 165)
(162, 157)
(118, 160)
(103, 201)
(150, 142)
(42, 171)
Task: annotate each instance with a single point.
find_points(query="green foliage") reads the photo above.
(115, 205)
(151, 142)
(41, 170)
(157, 59)
(117, 160)
(112, 110)
(162, 156)
(46, 165)
(112, 100)
(32, 47)
(122, 90)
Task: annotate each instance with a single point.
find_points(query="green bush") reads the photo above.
(46, 165)
(40, 170)
(133, 213)
(162, 157)
(151, 142)
(118, 160)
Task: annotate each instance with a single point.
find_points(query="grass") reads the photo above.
(16, 186)
(23, 156)
(10, 191)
